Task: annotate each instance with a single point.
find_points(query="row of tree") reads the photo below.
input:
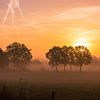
(20, 56)
(16, 54)
(69, 56)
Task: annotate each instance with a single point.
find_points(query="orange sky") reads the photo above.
(52, 22)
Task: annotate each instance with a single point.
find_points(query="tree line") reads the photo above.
(19, 55)
(69, 56)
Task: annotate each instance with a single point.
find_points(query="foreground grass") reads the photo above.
(49, 86)
(33, 92)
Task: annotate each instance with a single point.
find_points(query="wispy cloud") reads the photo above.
(78, 13)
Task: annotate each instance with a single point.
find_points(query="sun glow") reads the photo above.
(82, 42)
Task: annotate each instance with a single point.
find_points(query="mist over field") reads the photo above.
(93, 67)
(46, 75)
(67, 69)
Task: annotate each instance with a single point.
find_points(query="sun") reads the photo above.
(82, 42)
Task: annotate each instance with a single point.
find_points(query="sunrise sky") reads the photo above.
(52, 22)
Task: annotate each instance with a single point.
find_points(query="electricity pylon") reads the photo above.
(12, 5)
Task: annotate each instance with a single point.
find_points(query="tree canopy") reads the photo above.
(54, 56)
(19, 55)
(83, 56)
(68, 55)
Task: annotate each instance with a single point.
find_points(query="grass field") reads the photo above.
(49, 85)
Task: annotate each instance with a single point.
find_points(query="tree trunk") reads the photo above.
(64, 68)
(80, 68)
(70, 68)
(56, 69)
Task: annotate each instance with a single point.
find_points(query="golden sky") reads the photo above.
(52, 22)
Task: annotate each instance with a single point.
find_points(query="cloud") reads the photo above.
(90, 14)
(78, 13)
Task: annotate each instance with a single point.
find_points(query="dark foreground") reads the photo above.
(49, 86)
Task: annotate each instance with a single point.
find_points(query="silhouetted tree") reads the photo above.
(54, 56)
(68, 55)
(19, 55)
(71, 57)
(82, 56)
(64, 57)
(3, 59)
(36, 62)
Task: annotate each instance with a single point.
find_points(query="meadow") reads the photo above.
(45, 85)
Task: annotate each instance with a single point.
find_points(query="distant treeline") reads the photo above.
(95, 60)
(20, 56)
